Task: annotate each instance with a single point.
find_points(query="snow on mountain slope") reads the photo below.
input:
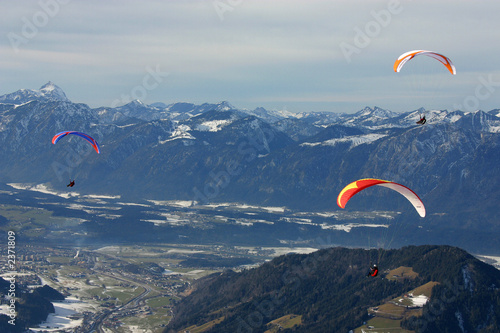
(354, 141)
(369, 116)
(181, 132)
(213, 125)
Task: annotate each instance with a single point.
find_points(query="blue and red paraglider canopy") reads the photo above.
(87, 137)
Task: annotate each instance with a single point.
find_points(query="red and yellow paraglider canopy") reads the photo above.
(359, 185)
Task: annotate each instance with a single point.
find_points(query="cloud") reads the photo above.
(257, 51)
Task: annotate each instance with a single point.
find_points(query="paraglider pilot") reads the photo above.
(373, 270)
(71, 183)
(422, 121)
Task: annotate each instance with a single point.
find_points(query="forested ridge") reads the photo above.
(329, 289)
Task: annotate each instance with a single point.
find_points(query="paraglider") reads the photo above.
(87, 137)
(359, 185)
(405, 57)
(373, 270)
(424, 82)
(422, 120)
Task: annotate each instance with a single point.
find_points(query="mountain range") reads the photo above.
(219, 153)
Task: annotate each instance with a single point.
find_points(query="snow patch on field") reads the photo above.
(91, 209)
(279, 251)
(348, 227)
(97, 196)
(42, 188)
(269, 209)
(132, 204)
(419, 300)
(170, 218)
(60, 320)
(175, 203)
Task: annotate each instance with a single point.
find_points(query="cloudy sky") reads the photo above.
(295, 55)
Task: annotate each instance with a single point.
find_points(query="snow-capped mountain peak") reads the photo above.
(52, 91)
(47, 92)
(136, 102)
(375, 112)
(369, 117)
(224, 106)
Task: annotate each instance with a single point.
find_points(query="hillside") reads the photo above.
(328, 291)
(32, 306)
